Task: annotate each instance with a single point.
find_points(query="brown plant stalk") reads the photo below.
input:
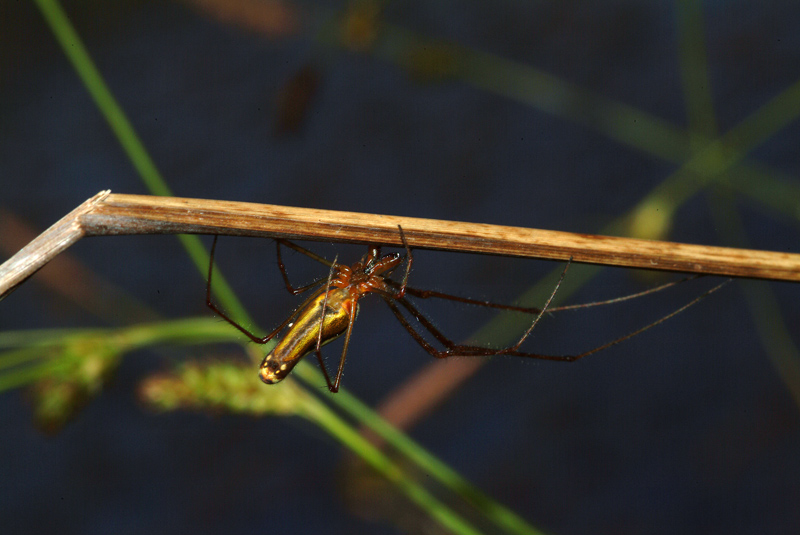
(108, 214)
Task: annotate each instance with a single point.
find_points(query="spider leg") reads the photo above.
(401, 291)
(419, 316)
(449, 343)
(426, 294)
(318, 348)
(571, 358)
(350, 323)
(463, 350)
(282, 267)
(223, 315)
(625, 297)
(334, 386)
(544, 309)
(416, 335)
(216, 309)
(452, 349)
(303, 250)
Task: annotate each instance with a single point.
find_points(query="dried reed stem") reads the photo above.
(111, 214)
(45, 247)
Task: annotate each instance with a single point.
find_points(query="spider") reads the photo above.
(331, 311)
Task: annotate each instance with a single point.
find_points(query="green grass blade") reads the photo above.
(351, 438)
(76, 52)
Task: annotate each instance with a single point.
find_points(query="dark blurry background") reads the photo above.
(691, 427)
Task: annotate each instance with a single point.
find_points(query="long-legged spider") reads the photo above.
(331, 311)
